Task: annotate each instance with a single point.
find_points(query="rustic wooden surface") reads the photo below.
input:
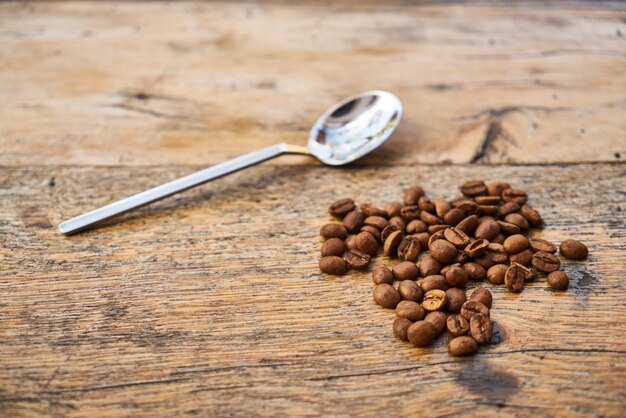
(210, 303)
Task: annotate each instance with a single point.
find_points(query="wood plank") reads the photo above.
(140, 83)
(211, 303)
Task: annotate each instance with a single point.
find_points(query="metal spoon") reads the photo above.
(347, 131)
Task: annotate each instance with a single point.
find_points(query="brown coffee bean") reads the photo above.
(381, 274)
(377, 222)
(429, 266)
(538, 244)
(473, 307)
(387, 231)
(524, 257)
(438, 319)
(460, 200)
(468, 206)
(434, 237)
(534, 218)
(507, 208)
(574, 250)
(416, 226)
(508, 228)
(410, 310)
(341, 207)
(353, 221)
(423, 238)
(495, 275)
(497, 254)
(457, 325)
(482, 210)
(351, 242)
(398, 223)
(422, 333)
(333, 246)
(461, 257)
(441, 206)
(375, 232)
(482, 295)
(400, 328)
(456, 299)
(391, 243)
(365, 242)
(371, 210)
(514, 195)
(488, 230)
(426, 205)
(481, 328)
(545, 262)
(405, 270)
(454, 216)
(333, 231)
(393, 209)
(358, 260)
(436, 228)
(409, 290)
(495, 188)
(462, 346)
(408, 249)
(473, 188)
(456, 277)
(434, 300)
(333, 265)
(484, 261)
(487, 200)
(430, 219)
(443, 251)
(517, 219)
(457, 237)
(436, 281)
(499, 239)
(515, 244)
(412, 195)
(514, 277)
(469, 224)
(558, 280)
(475, 271)
(386, 296)
(477, 248)
(410, 213)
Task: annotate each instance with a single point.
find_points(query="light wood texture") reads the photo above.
(197, 83)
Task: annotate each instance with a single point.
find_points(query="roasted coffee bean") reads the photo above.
(441, 206)
(428, 266)
(462, 346)
(574, 250)
(487, 200)
(438, 319)
(508, 208)
(457, 237)
(514, 277)
(398, 222)
(391, 243)
(456, 299)
(333, 246)
(508, 228)
(477, 248)
(461, 257)
(454, 216)
(497, 254)
(423, 238)
(495, 275)
(377, 222)
(515, 244)
(430, 219)
(495, 188)
(387, 231)
(409, 290)
(400, 328)
(410, 310)
(353, 221)
(436, 281)
(538, 244)
(486, 210)
(484, 261)
(434, 237)
(473, 188)
(545, 262)
(524, 258)
(416, 226)
(412, 195)
(499, 239)
(457, 325)
(443, 251)
(333, 265)
(393, 209)
(375, 232)
(409, 213)
(481, 328)
(475, 271)
(366, 243)
(460, 200)
(558, 280)
(436, 228)
(468, 206)
(341, 207)
(386, 296)
(409, 249)
(473, 307)
(488, 230)
(426, 205)
(517, 219)
(534, 218)
(405, 270)
(351, 242)
(333, 231)
(422, 333)
(370, 210)
(514, 195)
(434, 300)
(381, 274)
(469, 224)
(482, 295)
(358, 260)
(456, 277)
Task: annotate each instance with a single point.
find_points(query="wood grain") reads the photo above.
(142, 83)
(211, 303)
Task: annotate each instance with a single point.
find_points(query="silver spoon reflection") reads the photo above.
(346, 132)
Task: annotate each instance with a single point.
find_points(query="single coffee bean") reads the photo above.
(387, 231)
(484, 261)
(393, 209)
(514, 195)
(365, 242)
(495, 275)
(443, 251)
(457, 237)
(487, 230)
(434, 300)
(438, 319)
(333, 265)
(333, 231)
(534, 218)
(514, 277)
(515, 244)
(408, 249)
(386, 296)
(524, 257)
(391, 243)
(545, 262)
(377, 222)
(468, 206)
(351, 242)
(441, 206)
(410, 310)
(475, 271)
(375, 232)
(435, 281)
(341, 207)
(538, 244)
(422, 333)
(430, 219)
(456, 299)
(410, 213)
(469, 224)
(574, 250)
(454, 216)
(483, 296)
(409, 290)
(398, 222)
(517, 219)
(456, 277)
(486, 210)
(487, 200)
(381, 274)
(457, 325)
(497, 254)
(508, 228)
(353, 221)
(473, 188)
(400, 328)
(477, 248)
(412, 195)
(481, 328)
(507, 208)
(429, 266)
(416, 226)
(405, 270)
(426, 205)
(333, 246)
(358, 260)
(436, 228)
(462, 346)
(558, 280)
(460, 200)
(495, 188)
(370, 210)
(473, 307)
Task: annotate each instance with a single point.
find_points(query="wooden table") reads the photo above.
(210, 303)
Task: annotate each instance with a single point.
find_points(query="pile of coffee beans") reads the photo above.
(481, 235)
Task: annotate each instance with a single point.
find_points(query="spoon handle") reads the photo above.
(96, 216)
